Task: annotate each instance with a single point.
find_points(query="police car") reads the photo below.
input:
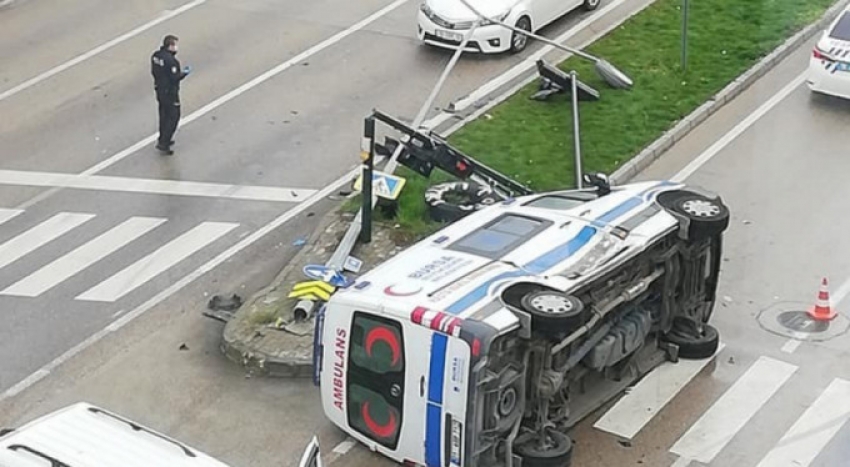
(484, 343)
(829, 65)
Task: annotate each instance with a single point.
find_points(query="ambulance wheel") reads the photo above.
(695, 341)
(553, 313)
(452, 201)
(705, 217)
(555, 451)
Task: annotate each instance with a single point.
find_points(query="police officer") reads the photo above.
(167, 75)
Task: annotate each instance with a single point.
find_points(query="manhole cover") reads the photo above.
(789, 319)
(800, 321)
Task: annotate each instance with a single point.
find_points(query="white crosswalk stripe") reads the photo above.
(813, 435)
(81, 258)
(710, 434)
(814, 429)
(6, 214)
(157, 262)
(31, 240)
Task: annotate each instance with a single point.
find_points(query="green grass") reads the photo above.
(532, 142)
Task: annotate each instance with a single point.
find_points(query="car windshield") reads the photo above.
(841, 31)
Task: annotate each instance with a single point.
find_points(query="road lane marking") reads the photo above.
(710, 434)
(105, 46)
(835, 301)
(157, 262)
(9, 214)
(814, 429)
(153, 186)
(740, 128)
(82, 257)
(34, 238)
(649, 396)
(230, 95)
(342, 448)
(287, 216)
(681, 462)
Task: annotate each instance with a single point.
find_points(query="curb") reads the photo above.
(253, 358)
(651, 153)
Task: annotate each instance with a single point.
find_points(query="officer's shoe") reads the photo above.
(165, 150)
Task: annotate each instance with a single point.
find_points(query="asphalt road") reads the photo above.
(782, 174)
(97, 228)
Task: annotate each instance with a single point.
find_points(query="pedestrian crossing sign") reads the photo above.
(383, 185)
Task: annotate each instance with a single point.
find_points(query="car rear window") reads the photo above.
(841, 31)
(376, 378)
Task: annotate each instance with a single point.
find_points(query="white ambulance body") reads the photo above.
(434, 357)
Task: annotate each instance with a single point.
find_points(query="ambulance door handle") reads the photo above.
(422, 386)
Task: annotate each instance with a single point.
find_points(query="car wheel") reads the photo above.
(555, 451)
(705, 217)
(520, 41)
(591, 5)
(694, 341)
(553, 313)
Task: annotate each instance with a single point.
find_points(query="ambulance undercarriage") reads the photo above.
(576, 351)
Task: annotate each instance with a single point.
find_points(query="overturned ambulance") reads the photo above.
(484, 343)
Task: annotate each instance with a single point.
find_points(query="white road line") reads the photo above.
(44, 371)
(157, 262)
(646, 399)
(835, 301)
(39, 235)
(710, 434)
(793, 343)
(105, 46)
(522, 67)
(682, 462)
(814, 429)
(740, 128)
(84, 256)
(253, 83)
(153, 186)
(8, 214)
(342, 448)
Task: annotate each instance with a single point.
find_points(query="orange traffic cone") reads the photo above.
(822, 310)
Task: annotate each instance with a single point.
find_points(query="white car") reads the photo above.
(443, 23)
(829, 66)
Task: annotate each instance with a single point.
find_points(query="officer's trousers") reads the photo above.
(169, 116)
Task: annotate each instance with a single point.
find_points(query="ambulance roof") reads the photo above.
(561, 236)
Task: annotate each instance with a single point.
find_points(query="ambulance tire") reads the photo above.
(554, 313)
(559, 454)
(705, 217)
(694, 342)
(474, 197)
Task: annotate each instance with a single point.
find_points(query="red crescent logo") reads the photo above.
(383, 335)
(383, 431)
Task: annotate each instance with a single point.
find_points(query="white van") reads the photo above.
(481, 345)
(82, 435)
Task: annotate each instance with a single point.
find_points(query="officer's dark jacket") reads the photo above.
(167, 74)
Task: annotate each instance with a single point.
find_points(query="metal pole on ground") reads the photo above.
(367, 154)
(576, 132)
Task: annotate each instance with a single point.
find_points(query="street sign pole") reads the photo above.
(368, 156)
(576, 139)
(685, 8)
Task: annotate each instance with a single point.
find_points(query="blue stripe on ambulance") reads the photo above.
(558, 254)
(433, 419)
